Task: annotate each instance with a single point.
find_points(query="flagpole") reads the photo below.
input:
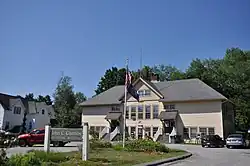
(125, 106)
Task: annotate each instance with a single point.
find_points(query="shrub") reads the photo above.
(143, 146)
(3, 157)
(99, 144)
(24, 160)
(38, 158)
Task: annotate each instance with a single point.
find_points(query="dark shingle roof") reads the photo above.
(189, 89)
(179, 90)
(110, 96)
(5, 100)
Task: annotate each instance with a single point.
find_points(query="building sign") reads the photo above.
(66, 134)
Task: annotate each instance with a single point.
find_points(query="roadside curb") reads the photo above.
(163, 161)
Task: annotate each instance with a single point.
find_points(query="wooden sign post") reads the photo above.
(68, 135)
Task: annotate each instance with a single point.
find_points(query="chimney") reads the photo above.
(154, 77)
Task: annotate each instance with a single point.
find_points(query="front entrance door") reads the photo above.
(114, 124)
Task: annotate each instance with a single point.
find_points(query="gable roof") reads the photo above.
(5, 100)
(179, 90)
(149, 84)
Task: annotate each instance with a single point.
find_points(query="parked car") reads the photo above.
(212, 141)
(36, 137)
(236, 140)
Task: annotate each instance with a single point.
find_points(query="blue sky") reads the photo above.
(40, 39)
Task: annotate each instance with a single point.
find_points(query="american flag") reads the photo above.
(130, 88)
(128, 80)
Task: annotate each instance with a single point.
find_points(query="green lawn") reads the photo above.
(112, 157)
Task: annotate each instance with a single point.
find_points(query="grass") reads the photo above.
(103, 157)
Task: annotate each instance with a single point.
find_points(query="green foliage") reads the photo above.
(38, 158)
(111, 78)
(24, 160)
(3, 157)
(143, 146)
(94, 134)
(94, 144)
(68, 112)
(40, 98)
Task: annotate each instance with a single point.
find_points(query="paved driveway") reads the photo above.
(213, 156)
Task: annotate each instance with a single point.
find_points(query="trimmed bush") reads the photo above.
(143, 146)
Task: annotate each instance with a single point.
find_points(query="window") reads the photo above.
(143, 93)
(38, 132)
(169, 107)
(147, 92)
(155, 129)
(148, 131)
(186, 133)
(148, 112)
(133, 112)
(140, 112)
(43, 111)
(115, 108)
(210, 131)
(193, 132)
(127, 112)
(140, 93)
(155, 111)
(17, 110)
(203, 131)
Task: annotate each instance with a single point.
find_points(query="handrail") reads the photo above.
(103, 132)
(114, 133)
(157, 134)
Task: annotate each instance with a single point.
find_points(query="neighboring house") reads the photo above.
(182, 108)
(39, 115)
(12, 109)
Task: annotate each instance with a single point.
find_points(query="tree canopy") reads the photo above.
(68, 112)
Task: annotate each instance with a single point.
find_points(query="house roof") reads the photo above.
(108, 97)
(113, 115)
(179, 90)
(5, 100)
(167, 115)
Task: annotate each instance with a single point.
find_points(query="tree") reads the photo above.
(168, 73)
(66, 104)
(30, 97)
(111, 78)
(80, 97)
(45, 99)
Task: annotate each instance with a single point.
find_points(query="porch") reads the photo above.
(111, 132)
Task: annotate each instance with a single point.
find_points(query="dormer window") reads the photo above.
(144, 93)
